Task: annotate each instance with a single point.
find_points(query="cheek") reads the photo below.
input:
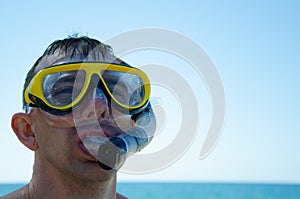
(54, 143)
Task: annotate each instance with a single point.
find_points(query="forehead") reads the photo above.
(61, 58)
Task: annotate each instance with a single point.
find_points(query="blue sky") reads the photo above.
(254, 46)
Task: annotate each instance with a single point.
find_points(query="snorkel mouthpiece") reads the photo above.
(113, 152)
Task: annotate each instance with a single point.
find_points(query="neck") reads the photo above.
(49, 182)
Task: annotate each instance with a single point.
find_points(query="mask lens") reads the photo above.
(126, 88)
(62, 88)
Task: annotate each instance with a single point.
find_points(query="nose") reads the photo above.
(94, 105)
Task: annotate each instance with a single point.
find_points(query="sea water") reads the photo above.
(196, 190)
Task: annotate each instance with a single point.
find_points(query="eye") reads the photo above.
(62, 91)
(66, 87)
(62, 95)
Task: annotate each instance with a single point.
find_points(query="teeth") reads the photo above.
(92, 143)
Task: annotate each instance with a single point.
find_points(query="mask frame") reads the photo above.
(34, 95)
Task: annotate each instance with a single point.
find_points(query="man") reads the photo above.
(75, 98)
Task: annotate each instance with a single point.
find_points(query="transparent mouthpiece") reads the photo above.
(112, 152)
(92, 144)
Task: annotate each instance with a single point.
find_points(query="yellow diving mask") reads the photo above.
(58, 88)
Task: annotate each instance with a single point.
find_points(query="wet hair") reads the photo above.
(72, 46)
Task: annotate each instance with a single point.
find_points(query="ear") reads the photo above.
(21, 124)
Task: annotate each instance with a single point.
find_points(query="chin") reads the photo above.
(91, 171)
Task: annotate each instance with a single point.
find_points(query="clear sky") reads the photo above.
(254, 45)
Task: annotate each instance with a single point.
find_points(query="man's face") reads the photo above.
(61, 148)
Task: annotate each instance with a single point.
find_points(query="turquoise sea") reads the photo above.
(196, 190)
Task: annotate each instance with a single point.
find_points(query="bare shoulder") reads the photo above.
(119, 196)
(21, 193)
